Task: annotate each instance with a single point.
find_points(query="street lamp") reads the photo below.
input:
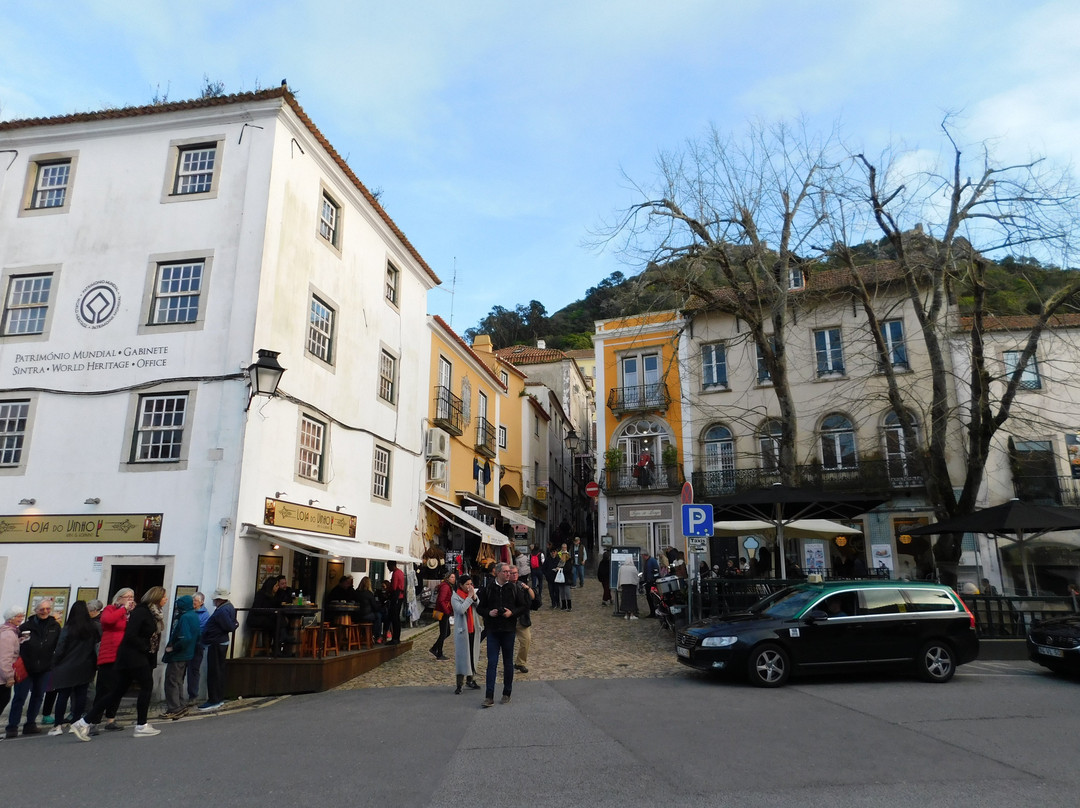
(264, 374)
(572, 441)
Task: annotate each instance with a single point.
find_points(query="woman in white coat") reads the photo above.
(466, 627)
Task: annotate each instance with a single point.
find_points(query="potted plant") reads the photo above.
(669, 455)
(613, 459)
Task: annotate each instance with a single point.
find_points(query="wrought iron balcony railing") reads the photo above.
(449, 414)
(639, 398)
(1048, 490)
(659, 478)
(485, 437)
(866, 475)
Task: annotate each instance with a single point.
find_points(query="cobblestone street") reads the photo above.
(586, 643)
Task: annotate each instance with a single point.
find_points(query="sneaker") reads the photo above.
(471, 684)
(145, 731)
(47, 720)
(11, 734)
(178, 714)
(81, 730)
(489, 702)
(57, 730)
(31, 729)
(521, 668)
(505, 699)
(95, 730)
(112, 726)
(193, 701)
(633, 617)
(210, 706)
(442, 657)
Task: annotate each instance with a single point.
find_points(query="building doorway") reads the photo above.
(139, 577)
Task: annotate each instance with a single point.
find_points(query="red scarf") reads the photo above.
(468, 612)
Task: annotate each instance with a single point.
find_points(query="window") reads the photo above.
(769, 446)
(719, 460)
(837, 443)
(897, 449)
(641, 380)
(892, 333)
(796, 279)
(380, 477)
(50, 184)
(320, 342)
(329, 219)
(27, 305)
(502, 437)
(763, 374)
(159, 428)
(830, 352)
(714, 365)
(536, 425)
(13, 420)
(387, 376)
(504, 377)
(392, 279)
(195, 169)
(1029, 378)
(312, 445)
(177, 291)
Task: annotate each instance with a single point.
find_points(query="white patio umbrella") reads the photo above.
(797, 528)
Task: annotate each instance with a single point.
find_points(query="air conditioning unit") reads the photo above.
(437, 446)
(436, 471)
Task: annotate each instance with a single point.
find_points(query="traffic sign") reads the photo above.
(592, 489)
(697, 520)
(687, 493)
(698, 544)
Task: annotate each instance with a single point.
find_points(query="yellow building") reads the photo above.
(639, 430)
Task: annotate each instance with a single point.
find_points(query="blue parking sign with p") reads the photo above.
(697, 520)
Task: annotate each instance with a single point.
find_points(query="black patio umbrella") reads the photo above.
(782, 504)
(1020, 521)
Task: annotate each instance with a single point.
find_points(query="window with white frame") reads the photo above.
(159, 428)
(195, 169)
(837, 443)
(320, 341)
(763, 374)
(387, 376)
(502, 436)
(330, 220)
(1029, 378)
(796, 279)
(312, 448)
(177, 292)
(830, 352)
(714, 365)
(13, 421)
(719, 459)
(504, 377)
(26, 308)
(898, 449)
(769, 446)
(50, 184)
(536, 425)
(892, 334)
(380, 475)
(393, 277)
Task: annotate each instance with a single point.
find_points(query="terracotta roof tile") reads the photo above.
(221, 101)
(468, 349)
(527, 355)
(1021, 322)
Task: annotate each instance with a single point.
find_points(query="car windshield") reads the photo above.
(785, 604)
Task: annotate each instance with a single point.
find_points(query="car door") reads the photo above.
(831, 639)
(890, 630)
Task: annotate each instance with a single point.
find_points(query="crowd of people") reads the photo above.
(49, 670)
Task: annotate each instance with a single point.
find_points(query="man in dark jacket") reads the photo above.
(216, 637)
(501, 603)
(42, 633)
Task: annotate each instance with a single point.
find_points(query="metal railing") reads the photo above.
(639, 397)
(634, 479)
(449, 413)
(866, 475)
(1048, 490)
(485, 437)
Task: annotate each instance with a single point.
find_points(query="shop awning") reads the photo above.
(323, 546)
(515, 518)
(487, 534)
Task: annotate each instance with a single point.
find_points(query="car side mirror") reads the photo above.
(815, 615)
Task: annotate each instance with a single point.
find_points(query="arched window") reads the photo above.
(898, 450)
(837, 442)
(719, 460)
(642, 436)
(769, 446)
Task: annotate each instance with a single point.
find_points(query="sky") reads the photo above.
(504, 134)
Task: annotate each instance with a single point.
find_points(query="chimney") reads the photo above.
(541, 344)
(482, 343)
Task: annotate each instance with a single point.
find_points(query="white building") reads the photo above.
(147, 255)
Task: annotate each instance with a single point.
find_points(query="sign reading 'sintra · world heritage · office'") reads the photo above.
(279, 513)
(56, 528)
(131, 358)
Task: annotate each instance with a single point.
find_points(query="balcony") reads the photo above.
(449, 414)
(872, 475)
(485, 437)
(1048, 490)
(639, 398)
(662, 479)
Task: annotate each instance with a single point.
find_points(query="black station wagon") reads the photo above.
(837, 626)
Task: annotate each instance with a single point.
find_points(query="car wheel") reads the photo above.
(769, 666)
(936, 662)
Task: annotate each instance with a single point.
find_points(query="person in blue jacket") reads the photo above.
(178, 653)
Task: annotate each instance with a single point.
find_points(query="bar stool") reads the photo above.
(329, 640)
(260, 643)
(351, 634)
(309, 641)
(365, 635)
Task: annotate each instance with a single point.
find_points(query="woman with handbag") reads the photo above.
(564, 577)
(9, 652)
(441, 612)
(466, 651)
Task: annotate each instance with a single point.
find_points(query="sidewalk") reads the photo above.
(586, 643)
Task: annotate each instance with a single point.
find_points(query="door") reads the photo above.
(139, 577)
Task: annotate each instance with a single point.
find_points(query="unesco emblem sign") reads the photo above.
(98, 304)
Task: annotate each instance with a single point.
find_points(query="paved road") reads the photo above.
(1001, 734)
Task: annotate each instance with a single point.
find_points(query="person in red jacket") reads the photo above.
(442, 604)
(113, 623)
